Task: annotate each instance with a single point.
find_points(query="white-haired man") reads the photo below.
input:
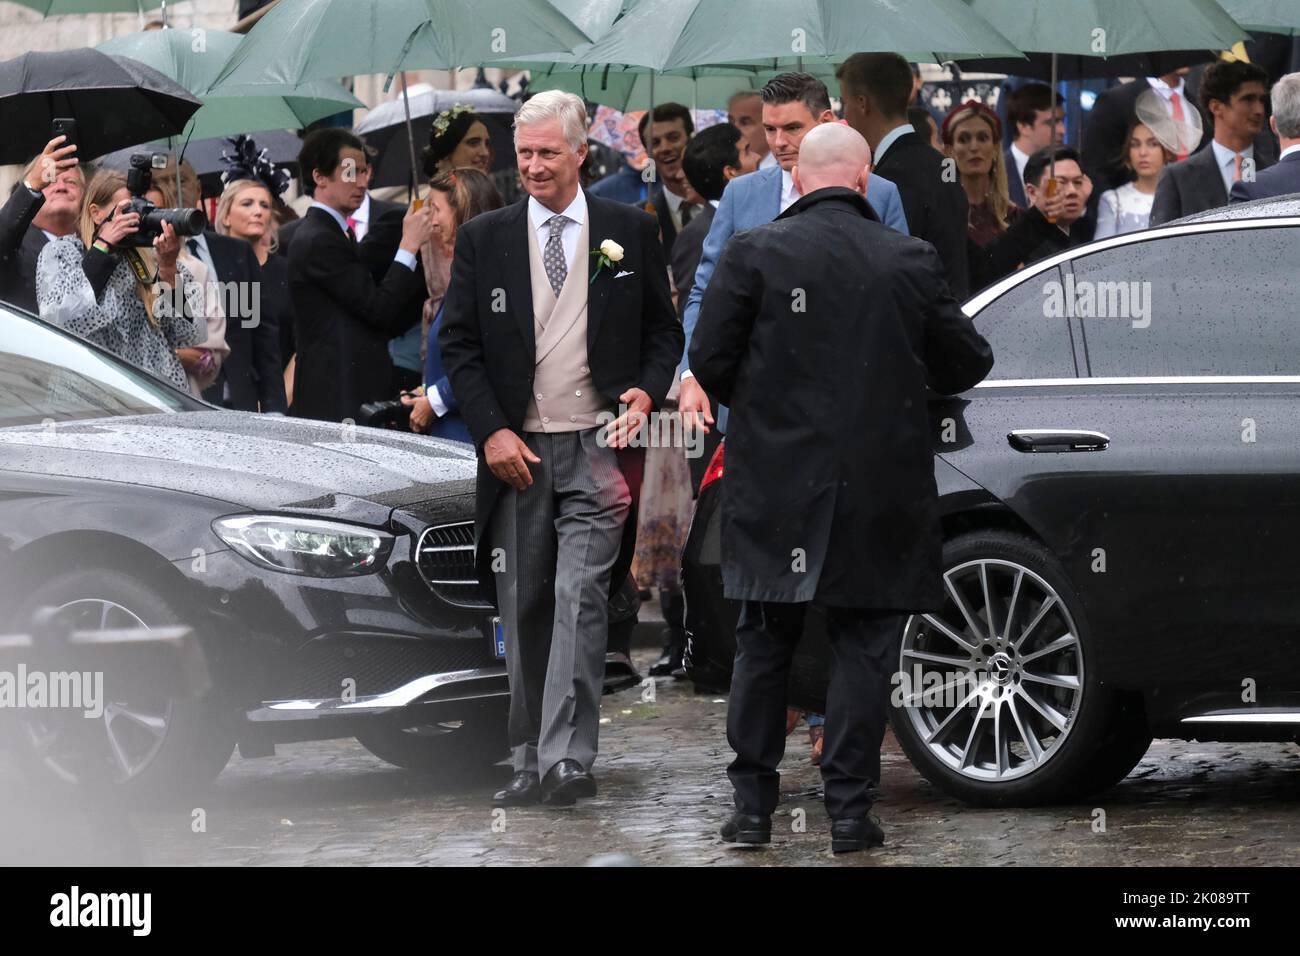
(558, 336)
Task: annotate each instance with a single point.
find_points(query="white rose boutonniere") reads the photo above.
(608, 253)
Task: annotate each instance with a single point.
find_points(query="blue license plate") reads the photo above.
(498, 639)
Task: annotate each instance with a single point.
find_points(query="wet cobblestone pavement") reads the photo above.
(663, 794)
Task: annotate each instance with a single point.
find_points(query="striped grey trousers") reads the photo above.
(553, 545)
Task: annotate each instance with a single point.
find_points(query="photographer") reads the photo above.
(99, 284)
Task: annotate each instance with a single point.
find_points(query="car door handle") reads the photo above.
(1057, 440)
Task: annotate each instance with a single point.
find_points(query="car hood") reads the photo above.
(256, 462)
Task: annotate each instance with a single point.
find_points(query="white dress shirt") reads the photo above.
(576, 212)
(361, 219)
(789, 195)
(1227, 161)
(768, 161)
(1022, 160)
(1166, 93)
(1288, 151)
(888, 141)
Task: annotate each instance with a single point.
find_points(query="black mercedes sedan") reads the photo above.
(326, 570)
(1121, 515)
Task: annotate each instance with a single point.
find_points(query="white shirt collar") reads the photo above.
(1288, 151)
(539, 215)
(1164, 89)
(768, 161)
(1225, 155)
(888, 141)
(334, 213)
(51, 236)
(1022, 160)
(674, 201)
(715, 203)
(363, 211)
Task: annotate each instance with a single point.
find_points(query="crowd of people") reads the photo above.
(545, 331)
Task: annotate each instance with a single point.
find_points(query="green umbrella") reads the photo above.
(60, 8)
(303, 40)
(627, 90)
(1108, 28)
(194, 58)
(665, 35)
(1266, 16)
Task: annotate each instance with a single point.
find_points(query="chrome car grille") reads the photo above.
(444, 557)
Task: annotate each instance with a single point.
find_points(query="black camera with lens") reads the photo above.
(139, 180)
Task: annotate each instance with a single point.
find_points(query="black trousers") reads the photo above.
(864, 647)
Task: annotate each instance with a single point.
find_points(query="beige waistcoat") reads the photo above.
(564, 398)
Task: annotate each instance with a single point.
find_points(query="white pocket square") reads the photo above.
(622, 274)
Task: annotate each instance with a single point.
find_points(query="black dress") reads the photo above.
(278, 304)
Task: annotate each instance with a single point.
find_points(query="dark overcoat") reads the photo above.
(822, 331)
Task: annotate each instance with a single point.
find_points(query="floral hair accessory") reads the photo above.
(444, 119)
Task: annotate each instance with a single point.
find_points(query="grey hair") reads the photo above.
(568, 108)
(1286, 106)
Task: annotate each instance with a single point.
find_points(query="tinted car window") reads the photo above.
(1028, 341)
(1213, 303)
(49, 376)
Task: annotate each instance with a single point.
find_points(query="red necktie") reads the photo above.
(1236, 172)
(1176, 105)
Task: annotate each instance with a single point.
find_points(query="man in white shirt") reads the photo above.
(1031, 115)
(1283, 178)
(1233, 93)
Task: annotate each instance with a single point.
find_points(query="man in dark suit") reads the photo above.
(344, 319)
(558, 336)
(1233, 93)
(45, 204)
(1283, 178)
(1112, 113)
(1033, 120)
(829, 491)
(875, 89)
(669, 200)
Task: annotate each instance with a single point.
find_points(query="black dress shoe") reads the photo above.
(853, 834)
(522, 790)
(565, 783)
(747, 828)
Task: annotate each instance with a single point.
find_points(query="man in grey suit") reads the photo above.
(559, 337)
(1233, 94)
(793, 104)
(1283, 178)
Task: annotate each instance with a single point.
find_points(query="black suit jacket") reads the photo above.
(667, 230)
(343, 321)
(1103, 135)
(936, 210)
(686, 254)
(1192, 186)
(829, 450)
(383, 235)
(634, 338)
(20, 246)
(253, 370)
(1278, 180)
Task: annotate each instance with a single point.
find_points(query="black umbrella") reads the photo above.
(115, 101)
(1039, 65)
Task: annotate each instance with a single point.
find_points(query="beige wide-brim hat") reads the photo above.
(1177, 137)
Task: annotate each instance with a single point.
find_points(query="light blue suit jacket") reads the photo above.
(751, 201)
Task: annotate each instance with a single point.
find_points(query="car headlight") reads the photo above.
(322, 549)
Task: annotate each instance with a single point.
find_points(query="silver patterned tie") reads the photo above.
(557, 269)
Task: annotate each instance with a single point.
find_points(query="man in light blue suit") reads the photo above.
(793, 104)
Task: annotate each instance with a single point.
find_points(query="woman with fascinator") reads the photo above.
(246, 210)
(1155, 139)
(458, 139)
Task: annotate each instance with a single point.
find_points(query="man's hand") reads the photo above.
(421, 411)
(508, 457)
(694, 405)
(417, 227)
(621, 431)
(54, 159)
